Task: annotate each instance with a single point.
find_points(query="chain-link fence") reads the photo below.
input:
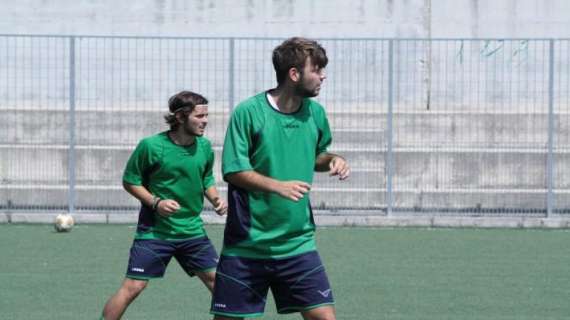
(440, 126)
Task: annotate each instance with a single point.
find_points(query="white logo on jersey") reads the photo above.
(325, 293)
(219, 305)
(138, 269)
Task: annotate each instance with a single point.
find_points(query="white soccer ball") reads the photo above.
(63, 222)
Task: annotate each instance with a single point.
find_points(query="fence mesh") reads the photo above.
(455, 127)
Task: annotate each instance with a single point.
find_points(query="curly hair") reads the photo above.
(185, 102)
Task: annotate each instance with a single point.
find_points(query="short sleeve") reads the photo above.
(137, 164)
(237, 143)
(325, 136)
(208, 177)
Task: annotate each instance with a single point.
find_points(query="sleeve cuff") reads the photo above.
(209, 183)
(236, 166)
(132, 180)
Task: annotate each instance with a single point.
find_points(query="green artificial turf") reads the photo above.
(407, 273)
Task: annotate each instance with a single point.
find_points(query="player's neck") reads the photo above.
(181, 138)
(286, 99)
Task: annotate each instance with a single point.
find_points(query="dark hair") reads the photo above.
(183, 101)
(293, 53)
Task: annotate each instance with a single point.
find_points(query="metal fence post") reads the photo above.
(550, 155)
(71, 151)
(389, 129)
(231, 75)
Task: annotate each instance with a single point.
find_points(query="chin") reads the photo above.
(310, 94)
(315, 92)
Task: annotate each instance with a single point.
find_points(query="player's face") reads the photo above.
(197, 120)
(311, 80)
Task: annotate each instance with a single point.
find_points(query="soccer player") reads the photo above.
(274, 142)
(170, 173)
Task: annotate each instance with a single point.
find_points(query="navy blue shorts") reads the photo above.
(149, 258)
(297, 283)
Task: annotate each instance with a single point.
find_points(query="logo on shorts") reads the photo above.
(219, 305)
(325, 293)
(137, 269)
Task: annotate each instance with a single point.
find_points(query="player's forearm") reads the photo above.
(140, 192)
(323, 160)
(212, 195)
(253, 181)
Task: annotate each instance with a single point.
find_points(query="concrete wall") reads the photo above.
(445, 157)
(438, 174)
(283, 18)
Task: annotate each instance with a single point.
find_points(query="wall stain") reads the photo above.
(159, 8)
(389, 8)
(474, 18)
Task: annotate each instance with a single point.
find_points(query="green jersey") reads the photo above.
(283, 147)
(171, 171)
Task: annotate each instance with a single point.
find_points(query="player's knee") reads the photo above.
(134, 287)
(209, 278)
(323, 317)
(320, 314)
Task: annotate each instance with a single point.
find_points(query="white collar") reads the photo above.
(272, 102)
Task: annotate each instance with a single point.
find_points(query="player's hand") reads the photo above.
(293, 190)
(339, 167)
(167, 207)
(220, 206)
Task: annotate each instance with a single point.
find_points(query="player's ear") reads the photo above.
(294, 74)
(180, 117)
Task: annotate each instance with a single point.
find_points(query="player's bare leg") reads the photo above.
(208, 278)
(320, 313)
(118, 303)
